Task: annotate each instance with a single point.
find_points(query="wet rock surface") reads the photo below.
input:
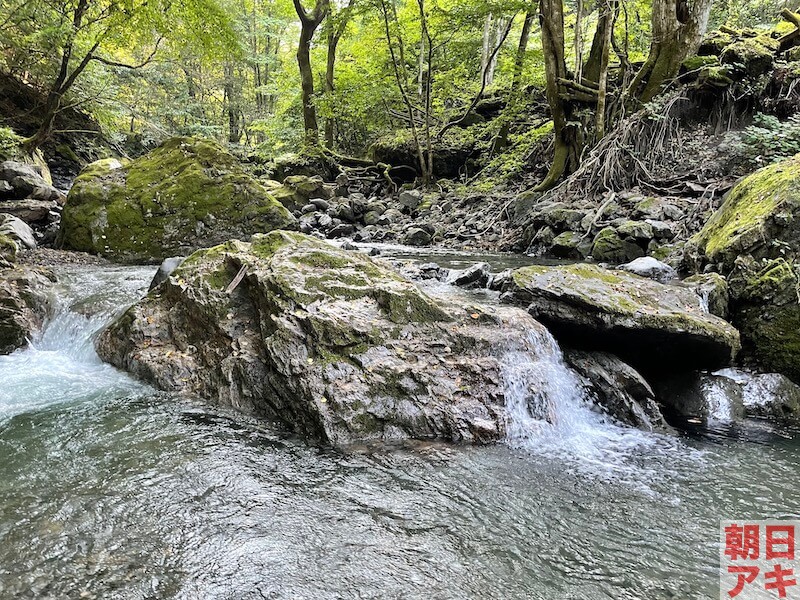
(646, 323)
(24, 304)
(618, 388)
(331, 343)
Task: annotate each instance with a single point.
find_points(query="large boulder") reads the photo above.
(753, 238)
(189, 193)
(648, 324)
(333, 344)
(759, 217)
(24, 305)
(767, 312)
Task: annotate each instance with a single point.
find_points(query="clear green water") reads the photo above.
(111, 490)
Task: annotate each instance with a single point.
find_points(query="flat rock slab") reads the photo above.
(648, 324)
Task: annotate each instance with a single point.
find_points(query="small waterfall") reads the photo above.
(60, 365)
(548, 414)
(543, 396)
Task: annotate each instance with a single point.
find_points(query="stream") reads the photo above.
(109, 489)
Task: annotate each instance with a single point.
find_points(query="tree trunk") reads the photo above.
(609, 13)
(594, 63)
(330, 71)
(308, 25)
(678, 28)
(568, 135)
(501, 140)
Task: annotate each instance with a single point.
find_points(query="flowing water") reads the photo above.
(111, 490)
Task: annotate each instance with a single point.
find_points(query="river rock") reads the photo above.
(186, 194)
(618, 388)
(29, 210)
(24, 305)
(417, 236)
(646, 323)
(17, 230)
(713, 290)
(333, 344)
(647, 266)
(476, 276)
(610, 247)
(701, 397)
(753, 239)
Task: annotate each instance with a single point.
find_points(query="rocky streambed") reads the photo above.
(110, 488)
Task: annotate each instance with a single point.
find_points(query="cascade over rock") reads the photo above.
(331, 343)
(187, 194)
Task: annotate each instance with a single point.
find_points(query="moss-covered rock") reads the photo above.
(767, 311)
(713, 290)
(760, 217)
(187, 194)
(609, 246)
(8, 249)
(714, 43)
(646, 323)
(752, 56)
(333, 344)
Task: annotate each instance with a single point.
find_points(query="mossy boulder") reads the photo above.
(760, 217)
(714, 43)
(751, 56)
(609, 246)
(646, 323)
(8, 249)
(189, 193)
(333, 344)
(767, 311)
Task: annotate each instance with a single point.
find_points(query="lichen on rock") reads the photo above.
(646, 323)
(330, 343)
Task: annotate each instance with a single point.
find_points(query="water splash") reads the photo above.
(60, 365)
(549, 414)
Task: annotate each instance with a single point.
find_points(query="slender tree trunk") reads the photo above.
(501, 140)
(594, 63)
(308, 25)
(335, 33)
(609, 9)
(330, 71)
(568, 136)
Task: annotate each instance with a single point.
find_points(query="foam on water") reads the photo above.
(548, 414)
(60, 365)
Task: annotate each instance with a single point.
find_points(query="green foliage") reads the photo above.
(9, 143)
(767, 140)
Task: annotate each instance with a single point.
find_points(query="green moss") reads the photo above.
(748, 216)
(66, 152)
(8, 249)
(186, 194)
(754, 56)
(697, 63)
(609, 246)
